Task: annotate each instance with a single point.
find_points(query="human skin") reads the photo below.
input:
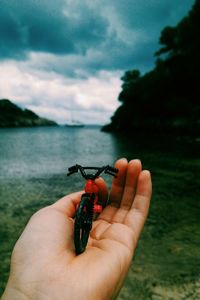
(44, 265)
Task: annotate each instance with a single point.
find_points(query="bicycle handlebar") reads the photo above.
(107, 169)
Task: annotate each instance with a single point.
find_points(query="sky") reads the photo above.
(63, 59)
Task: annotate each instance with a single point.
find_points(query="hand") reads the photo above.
(44, 264)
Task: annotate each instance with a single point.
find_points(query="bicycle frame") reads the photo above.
(92, 189)
(89, 203)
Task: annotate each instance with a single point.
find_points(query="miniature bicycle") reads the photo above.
(89, 204)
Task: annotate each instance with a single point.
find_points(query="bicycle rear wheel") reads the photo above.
(83, 223)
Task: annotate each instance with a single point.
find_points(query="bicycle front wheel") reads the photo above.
(83, 224)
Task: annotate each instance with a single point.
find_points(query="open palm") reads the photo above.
(44, 264)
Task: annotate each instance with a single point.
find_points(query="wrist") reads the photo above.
(13, 293)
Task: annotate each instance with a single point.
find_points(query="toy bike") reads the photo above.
(89, 204)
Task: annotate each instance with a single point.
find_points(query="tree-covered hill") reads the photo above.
(13, 116)
(166, 99)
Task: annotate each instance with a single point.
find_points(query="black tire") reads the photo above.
(83, 224)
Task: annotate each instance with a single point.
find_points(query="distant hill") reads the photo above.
(13, 116)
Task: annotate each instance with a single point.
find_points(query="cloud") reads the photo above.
(107, 34)
(48, 26)
(64, 56)
(61, 98)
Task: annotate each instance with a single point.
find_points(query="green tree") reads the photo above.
(166, 98)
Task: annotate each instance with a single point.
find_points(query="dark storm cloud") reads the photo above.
(98, 34)
(43, 26)
(150, 14)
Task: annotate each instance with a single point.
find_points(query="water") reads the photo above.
(46, 152)
(43, 152)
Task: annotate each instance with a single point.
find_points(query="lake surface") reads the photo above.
(33, 168)
(36, 152)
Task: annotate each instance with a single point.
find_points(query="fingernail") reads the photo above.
(135, 160)
(123, 158)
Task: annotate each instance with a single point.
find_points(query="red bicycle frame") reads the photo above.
(92, 188)
(89, 204)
